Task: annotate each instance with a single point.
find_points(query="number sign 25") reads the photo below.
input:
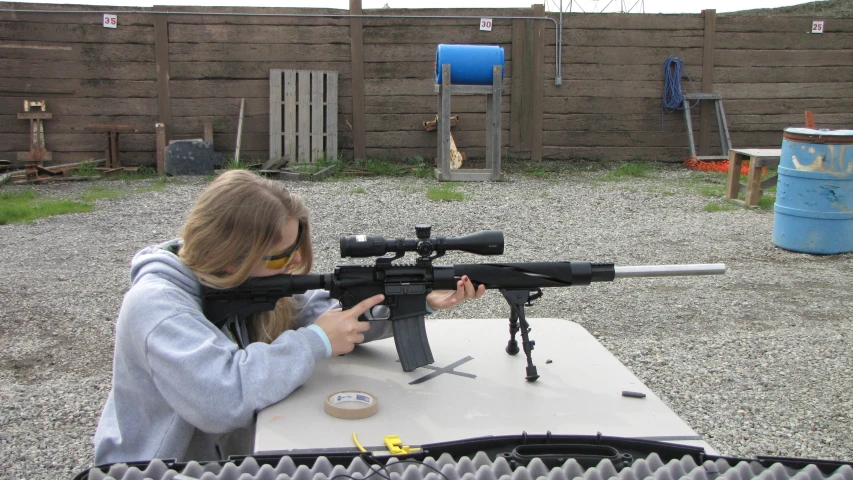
(486, 24)
(817, 26)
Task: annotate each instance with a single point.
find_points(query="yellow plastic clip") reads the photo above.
(396, 447)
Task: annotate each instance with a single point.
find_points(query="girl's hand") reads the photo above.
(342, 326)
(443, 299)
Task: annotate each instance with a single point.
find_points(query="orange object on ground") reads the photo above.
(716, 165)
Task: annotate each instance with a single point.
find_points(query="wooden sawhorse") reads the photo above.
(758, 158)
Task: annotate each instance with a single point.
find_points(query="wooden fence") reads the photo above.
(194, 64)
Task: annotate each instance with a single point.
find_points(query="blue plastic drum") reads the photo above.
(813, 212)
(469, 64)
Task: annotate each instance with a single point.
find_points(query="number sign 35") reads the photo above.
(110, 20)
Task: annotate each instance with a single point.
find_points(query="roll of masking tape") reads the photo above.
(351, 405)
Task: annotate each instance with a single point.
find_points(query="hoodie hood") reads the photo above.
(162, 261)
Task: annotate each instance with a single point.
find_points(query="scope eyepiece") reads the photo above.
(487, 242)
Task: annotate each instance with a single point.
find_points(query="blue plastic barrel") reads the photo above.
(469, 64)
(813, 212)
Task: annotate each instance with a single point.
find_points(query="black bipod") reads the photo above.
(517, 300)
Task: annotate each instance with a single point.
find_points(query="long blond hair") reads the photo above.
(235, 222)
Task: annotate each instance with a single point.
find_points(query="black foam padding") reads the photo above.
(480, 467)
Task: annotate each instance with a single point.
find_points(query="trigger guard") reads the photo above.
(378, 312)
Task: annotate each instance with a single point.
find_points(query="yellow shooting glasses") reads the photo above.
(277, 262)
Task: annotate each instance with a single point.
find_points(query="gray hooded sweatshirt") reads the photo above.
(181, 387)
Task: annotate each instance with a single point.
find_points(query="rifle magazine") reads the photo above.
(412, 343)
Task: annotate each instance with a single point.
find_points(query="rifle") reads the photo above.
(406, 286)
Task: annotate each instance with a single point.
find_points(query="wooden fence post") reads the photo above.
(161, 54)
(519, 110)
(359, 141)
(161, 148)
(538, 83)
(706, 107)
(527, 91)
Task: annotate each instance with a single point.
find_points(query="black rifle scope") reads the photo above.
(487, 242)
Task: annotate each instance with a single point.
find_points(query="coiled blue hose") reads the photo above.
(672, 97)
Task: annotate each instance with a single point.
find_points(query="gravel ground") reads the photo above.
(757, 361)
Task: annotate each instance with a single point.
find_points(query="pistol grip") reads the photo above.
(412, 343)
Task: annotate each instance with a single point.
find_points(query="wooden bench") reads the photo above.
(758, 159)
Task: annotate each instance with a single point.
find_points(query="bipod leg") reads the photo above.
(528, 345)
(517, 299)
(512, 344)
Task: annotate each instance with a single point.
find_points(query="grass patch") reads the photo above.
(540, 171)
(379, 167)
(422, 170)
(766, 202)
(358, 190)
(446, 192)
(319, 165)
(711, 190)
(545, 169)
(99, 192)
(721, 207)
(26, 206)
(714, 184)
(383, 167)
(232, 163)
(159, 184)
(87, 169)
(629, 170)
(412, 188)
(707, 184)
(606, 170)
(144, 172)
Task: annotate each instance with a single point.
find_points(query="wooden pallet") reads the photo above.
(303, 116)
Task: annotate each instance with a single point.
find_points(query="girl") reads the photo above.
(184, 389)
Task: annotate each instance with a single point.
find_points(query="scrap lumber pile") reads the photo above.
(35, 173)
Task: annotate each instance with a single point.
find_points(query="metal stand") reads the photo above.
(492, 172)
(722, 127)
